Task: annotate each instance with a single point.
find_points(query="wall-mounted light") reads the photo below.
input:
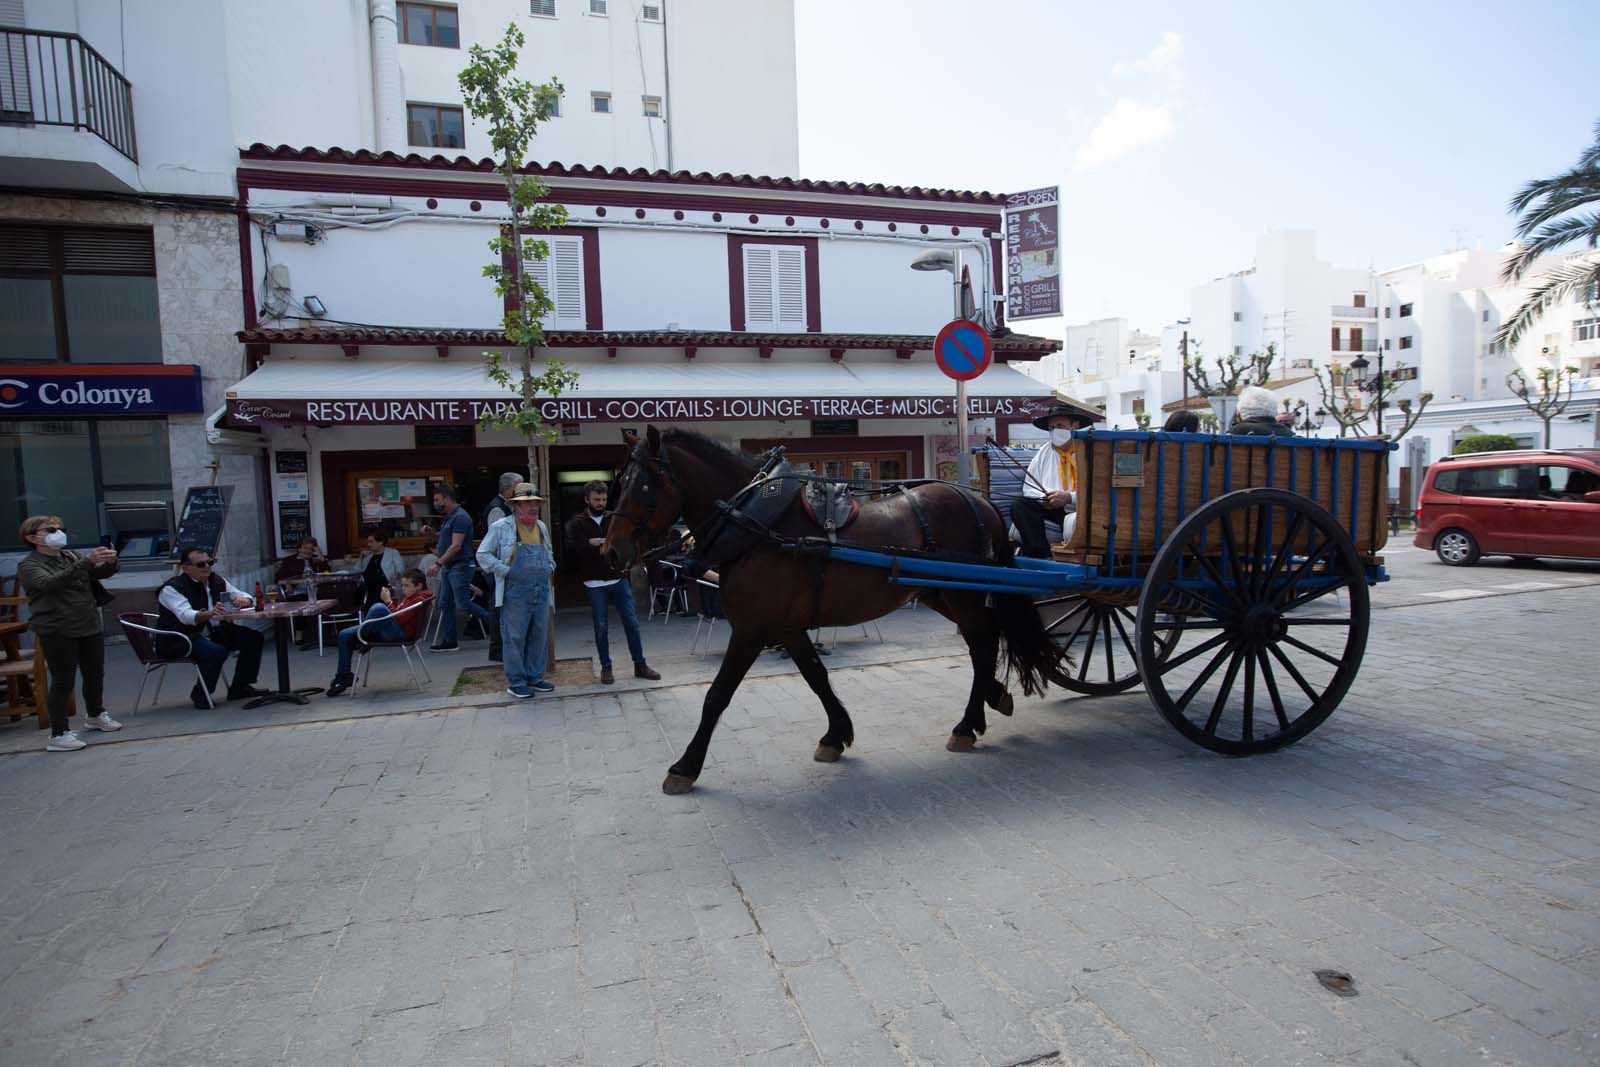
(315, 308)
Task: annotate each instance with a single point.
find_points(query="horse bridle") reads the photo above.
(648, 492)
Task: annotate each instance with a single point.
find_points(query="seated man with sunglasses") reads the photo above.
(191, 604)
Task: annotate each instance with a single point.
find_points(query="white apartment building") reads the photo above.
(1109, 365)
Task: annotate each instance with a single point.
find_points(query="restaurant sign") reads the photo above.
(1033, 254)
(631, 410)
(63, 389)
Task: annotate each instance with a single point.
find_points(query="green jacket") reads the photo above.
(60, 598)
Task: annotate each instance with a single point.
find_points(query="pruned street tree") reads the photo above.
(1233, 371)
(512, 110)
(1547, 395)
(1343, 400)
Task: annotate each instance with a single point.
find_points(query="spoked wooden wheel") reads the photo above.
(1101, 640)
(1279, 624)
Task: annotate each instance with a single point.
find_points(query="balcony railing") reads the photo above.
(56, 79)
(1350, 311)
(1348, 345)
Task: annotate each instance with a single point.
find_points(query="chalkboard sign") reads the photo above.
(205, 508)
(290, 462)
(294, 523)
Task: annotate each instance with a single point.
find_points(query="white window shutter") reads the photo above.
(759, 296)
(791, 287)
(566, 254)
(538, 272)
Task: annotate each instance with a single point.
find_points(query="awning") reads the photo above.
(413, 392)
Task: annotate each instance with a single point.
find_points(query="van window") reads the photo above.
(1479, 481)
(1558, 482)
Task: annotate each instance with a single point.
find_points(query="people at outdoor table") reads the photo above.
(65, 618)
(454, 566)
(379, 626)
(196, 604)
(1257, 415)
(380, 567)
(516, 550)
(1050, 489)
(306, 561)
(585, 534)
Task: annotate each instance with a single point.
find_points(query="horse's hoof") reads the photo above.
(958, 743)
(828, 754)
(677, 784)
(1006, 705)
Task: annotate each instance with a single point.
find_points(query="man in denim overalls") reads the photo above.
(516, 550)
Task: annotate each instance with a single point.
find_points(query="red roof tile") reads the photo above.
(1011, 344)
(555, 169)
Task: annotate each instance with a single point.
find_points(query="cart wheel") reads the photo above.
(1281, 606)
(1100, 638)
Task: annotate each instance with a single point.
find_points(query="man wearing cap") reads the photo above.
(1050, 490)
(516, 550)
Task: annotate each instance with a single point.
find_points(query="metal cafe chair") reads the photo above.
(667, 586)
(365, 648)
(142, 634)
(345, 592)
(707, 619)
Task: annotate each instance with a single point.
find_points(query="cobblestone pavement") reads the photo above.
(508, 884)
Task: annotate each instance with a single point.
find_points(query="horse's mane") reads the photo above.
(708, 451)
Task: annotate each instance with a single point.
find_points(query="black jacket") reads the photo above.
(1261, 427)
(580, 554)
(195, 594)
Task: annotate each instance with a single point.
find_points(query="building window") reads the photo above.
(1586, 330)
(775, 288)
(555, 108)
(1485, 314)
(1587, 294)
(650, 12)
(600, 103)
(429, 24)
(597, 7)
(544, 9)
(1386, 344)
(69, 467)
(1388, 313)
(1359, 300)
(1405, 342)
(1238, 316)
(652, 107)
(436, 125)
(82, 294)
(560, 275)
(1238, 350)
(1405, 311)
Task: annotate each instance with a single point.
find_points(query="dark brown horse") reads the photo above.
(771, 596)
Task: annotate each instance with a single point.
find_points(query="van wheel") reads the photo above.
(1456, 548)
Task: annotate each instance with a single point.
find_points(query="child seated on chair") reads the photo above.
(380, 627)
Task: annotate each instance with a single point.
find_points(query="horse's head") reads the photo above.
(649, 501)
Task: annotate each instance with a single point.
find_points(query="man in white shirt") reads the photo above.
(191, 604)
(1050, 490)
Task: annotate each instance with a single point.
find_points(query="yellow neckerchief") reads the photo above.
(1069, 468)
(525, 536)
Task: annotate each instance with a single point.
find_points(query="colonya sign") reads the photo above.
(633, 409)
(99, 389)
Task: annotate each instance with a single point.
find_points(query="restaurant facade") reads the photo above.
(756, 311)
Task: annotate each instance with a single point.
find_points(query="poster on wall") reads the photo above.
(1033, 254)
(945, 457)
(294, 523)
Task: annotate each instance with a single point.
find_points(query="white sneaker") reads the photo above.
(102, 721)
(67, 742)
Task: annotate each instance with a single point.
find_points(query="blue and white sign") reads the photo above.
(99, 389)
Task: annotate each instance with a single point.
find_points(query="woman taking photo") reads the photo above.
(65, 618)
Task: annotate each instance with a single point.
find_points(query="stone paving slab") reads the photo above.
(506, 884)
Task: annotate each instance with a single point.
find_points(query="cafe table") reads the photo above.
(282, 614)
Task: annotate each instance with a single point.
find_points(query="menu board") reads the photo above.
(205, 509)
(294, 523)
(399, 501)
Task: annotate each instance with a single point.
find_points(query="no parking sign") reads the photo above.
(963, 350)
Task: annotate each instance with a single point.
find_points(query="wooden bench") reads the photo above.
(28, 681)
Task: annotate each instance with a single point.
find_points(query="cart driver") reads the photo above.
(1050, 490)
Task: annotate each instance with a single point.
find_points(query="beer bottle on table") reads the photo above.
(258, 596)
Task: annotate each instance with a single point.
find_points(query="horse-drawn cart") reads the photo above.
(1228, 574)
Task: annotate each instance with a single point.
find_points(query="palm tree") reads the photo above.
(1549, 220)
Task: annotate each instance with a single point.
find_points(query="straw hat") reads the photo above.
(523, 493)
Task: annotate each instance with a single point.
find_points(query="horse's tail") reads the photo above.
(1026, 644)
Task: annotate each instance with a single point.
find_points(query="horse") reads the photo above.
(774, 596)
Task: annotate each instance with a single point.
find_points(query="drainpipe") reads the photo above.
(666, 88)
(388, 98)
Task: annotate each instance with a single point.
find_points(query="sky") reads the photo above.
(1180, 132)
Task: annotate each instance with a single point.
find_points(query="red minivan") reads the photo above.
(1522, 504)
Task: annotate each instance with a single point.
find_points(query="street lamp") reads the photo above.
(1306, 425)
(1374, 385)
(950, 260)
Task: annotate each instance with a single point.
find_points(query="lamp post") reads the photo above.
(950, 260)
(1374, 385)
(1306, 425)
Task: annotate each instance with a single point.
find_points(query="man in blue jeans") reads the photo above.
(454, 567)
(585, 533)
(380, 627)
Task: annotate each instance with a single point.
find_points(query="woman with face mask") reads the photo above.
(65, 619)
